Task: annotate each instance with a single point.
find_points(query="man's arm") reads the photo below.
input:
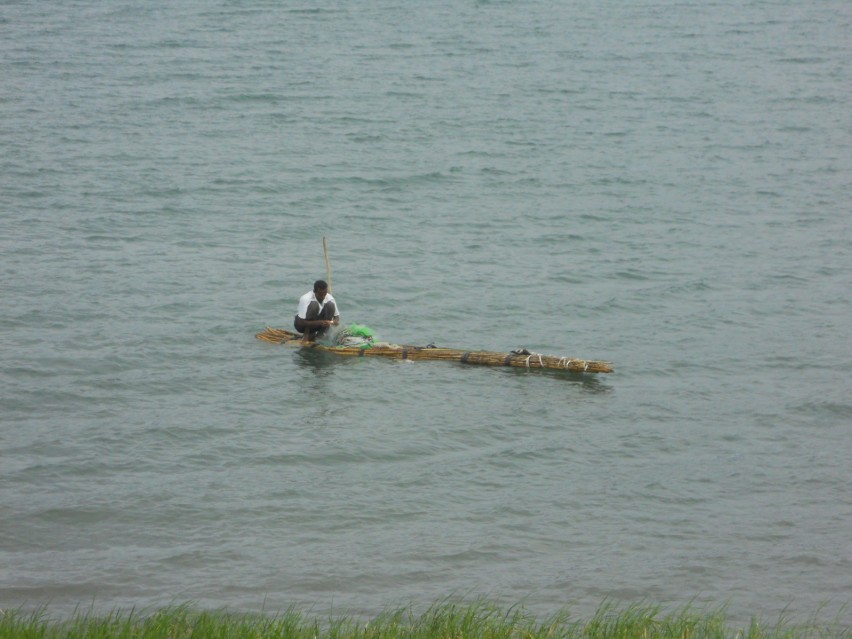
(319, 322)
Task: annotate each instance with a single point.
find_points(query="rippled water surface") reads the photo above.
(664, 185)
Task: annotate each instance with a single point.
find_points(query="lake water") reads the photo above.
(664, 185)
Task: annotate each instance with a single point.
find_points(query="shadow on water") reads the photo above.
(318, 363)
(588, 381)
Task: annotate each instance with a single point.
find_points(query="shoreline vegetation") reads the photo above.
(445, 620)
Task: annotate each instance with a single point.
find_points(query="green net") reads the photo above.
(359, 330)
(354, 335)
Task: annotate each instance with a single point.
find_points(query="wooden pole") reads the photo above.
(327, 263)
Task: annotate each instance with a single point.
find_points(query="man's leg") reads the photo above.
(313, 313)
(327, 313)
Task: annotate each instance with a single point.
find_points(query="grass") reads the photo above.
(445, 620)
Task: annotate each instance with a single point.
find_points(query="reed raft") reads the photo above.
(517, 359)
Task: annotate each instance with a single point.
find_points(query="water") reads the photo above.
(662, 185)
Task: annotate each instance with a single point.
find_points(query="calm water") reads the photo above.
(665, 185)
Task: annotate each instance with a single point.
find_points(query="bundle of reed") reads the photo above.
(517, 359)
(277, 336)
(523, 359)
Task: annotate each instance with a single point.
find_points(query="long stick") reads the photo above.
(327, 264)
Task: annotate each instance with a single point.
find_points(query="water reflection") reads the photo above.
(589, 381)
(321, 364)
(316, 362)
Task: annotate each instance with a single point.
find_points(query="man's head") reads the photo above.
(320, 289)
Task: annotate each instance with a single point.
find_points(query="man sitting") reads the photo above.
(317, 311)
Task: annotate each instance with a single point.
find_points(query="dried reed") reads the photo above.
(517, 359)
